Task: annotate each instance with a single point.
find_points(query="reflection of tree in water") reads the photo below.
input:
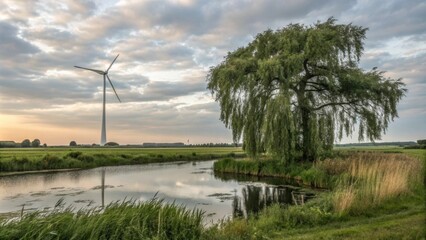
(237, 209)
(255, 198)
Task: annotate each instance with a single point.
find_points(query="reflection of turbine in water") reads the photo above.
(103, 187)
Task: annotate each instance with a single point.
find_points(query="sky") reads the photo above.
(166, 50)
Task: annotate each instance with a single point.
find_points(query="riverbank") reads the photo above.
(40, 159)
(154, 220)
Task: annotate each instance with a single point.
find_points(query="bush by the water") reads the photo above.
(273, 168)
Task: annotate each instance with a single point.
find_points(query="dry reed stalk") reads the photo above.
(379, 177)
(344, 198)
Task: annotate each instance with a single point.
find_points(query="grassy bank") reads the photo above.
(398, 218)
(12, 160)
(322, 174)
(305, 173)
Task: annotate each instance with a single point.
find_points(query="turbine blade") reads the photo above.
(93, 70)
(113, 88)
(112, 63)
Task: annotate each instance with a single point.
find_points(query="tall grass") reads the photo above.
(124, 220)
(358, 180)
(372, 178)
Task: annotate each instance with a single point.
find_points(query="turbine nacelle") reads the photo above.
(104, 73)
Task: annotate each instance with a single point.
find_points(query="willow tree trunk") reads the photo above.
(307, 145)
(306, 136)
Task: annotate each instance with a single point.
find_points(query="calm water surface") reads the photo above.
(192, 184)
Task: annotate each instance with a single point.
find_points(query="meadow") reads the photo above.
(371, 193)
(15, 160)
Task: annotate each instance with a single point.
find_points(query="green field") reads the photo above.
(419, 153)
(34, 159)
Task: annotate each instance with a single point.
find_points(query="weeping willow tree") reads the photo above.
(293, 91)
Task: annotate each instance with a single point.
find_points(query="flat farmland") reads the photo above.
(33, 159)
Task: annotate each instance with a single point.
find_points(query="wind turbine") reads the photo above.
(105, 74)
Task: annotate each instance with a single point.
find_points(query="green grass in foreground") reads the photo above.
(126, 220)
(398, 218)
(405, 225)
(154, 220)
(30, 159)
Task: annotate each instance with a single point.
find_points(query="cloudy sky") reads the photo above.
(166, 49)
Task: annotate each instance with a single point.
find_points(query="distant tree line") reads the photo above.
(26, 143)
(216, 145)
(152, 144)
(180, 144)
(369, 144)
(421, 144)
(108, 144)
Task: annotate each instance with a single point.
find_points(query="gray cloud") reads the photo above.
(389, 19)
(12, 45)
(163, 91)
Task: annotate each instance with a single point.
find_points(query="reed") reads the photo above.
(120, 220)
(372, 178)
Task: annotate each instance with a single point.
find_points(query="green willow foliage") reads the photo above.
(290, 92)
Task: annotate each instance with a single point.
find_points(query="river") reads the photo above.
(192, 184)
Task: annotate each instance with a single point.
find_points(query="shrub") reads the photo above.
(74, 154)
(26, 143)
(111, 144)
(305, 216)
(20, 161)
(126, 156)
(86, 158)
(315, 177)
(51, 161)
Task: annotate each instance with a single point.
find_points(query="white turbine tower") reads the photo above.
(105, 74)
